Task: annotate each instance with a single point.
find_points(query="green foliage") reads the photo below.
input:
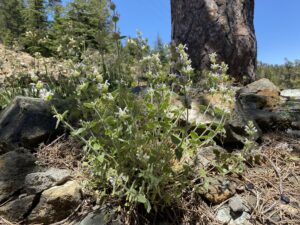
(284, 76)
(82, 25)
(50, 28)
(161, 49)
(136, 149)
(11, 20)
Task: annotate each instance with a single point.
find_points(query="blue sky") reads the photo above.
(276, 22)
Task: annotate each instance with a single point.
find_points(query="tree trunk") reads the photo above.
(222, 26)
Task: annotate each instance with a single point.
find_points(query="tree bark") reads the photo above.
(222, 26)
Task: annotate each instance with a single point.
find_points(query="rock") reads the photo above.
(14, 166)
(40, 181)
(236, 204)
(243, 219)
(196, 114)
(294, 133)
(94, 218)
(291, 93)
(262, 85)
(235, 129)
(204, 156)
(251, 202)
(27, 121)
(56, 204)
(5, 147)
(223, 215)
(219, 190)
(16, 210)
(261, 102)
(99, 217)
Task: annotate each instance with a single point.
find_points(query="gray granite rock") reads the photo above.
(40, 181)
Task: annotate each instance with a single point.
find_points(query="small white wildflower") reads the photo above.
(131, 41)
(109, 96)
(213, 57)
(188, 69)
(144, 47)
(215, 75)
(227, 110)
(223, 88)
(59, 48)
(212, 90)
(122, 113)
(214, 66)
(105, 86)
(48, 96)
(146, 157)
(34, 77)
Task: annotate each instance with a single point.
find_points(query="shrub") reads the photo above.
(136, 149)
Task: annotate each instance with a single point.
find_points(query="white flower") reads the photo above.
(213, 57)
(109, 96)
(150, 91)
(212, 90)
(105, 86)
(188, 69)
(123, 113)
(34, 77)
(223, 88)
(59, 48)
(131, 41)
(214, 66)
(47, 96)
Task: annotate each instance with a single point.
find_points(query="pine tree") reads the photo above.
(36, 16)
(87, 19)
(11, 20)
(160, 48)
(36, 28)
(83, 24)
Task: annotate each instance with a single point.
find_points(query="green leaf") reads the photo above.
(78, 132)
(194, 135)
(178, 153)
(141, 198)
(100, 158)
(176, 139)
(202, 173)
(96, 146)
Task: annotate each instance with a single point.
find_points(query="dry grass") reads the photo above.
(62, 153)
(276, 181)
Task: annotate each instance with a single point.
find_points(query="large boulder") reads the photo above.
(56, 204)
(262, 102)
(14, 166)
(27, 122)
